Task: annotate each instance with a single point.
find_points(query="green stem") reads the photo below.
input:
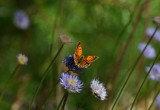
(125, 27)
(53, 89)
(144, 80)
(61, 101)
(58, 13)
(44, 75)
(7, 81)
(154, 99)
(60, 49)
(130, 73)
(65, 100)
(49, 94)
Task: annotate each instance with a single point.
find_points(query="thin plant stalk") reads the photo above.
(154, 100)
(129, 40)
(121, 56)
(51, 91)
(45, 74)
(144, 80)
(126, 26)
(7, 81)
(61, 101)
(49, 94)
(54, 29)
(56, 21)
(65, 100)
(146, 94)
(130, 73)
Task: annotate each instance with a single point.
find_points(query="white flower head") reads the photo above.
(155, 72)
(149, 51)
(65, 39)
(150, 31)
(22, 59)
(98, 89)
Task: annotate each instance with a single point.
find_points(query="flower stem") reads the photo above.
(49, 94)
(130, 73)
(154, 99)
(56, 21)
(7, 81)
(61, 101)
(65, 100)
(144, 80)
(45, 74)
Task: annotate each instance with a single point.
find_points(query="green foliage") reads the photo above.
(100, 26)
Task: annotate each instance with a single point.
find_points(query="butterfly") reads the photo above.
(80, 60)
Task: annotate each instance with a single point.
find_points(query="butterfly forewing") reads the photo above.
(78, 54)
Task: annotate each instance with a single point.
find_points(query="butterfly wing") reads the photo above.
(78, 54)
(86, 61)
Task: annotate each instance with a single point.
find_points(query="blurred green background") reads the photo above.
(109, 29)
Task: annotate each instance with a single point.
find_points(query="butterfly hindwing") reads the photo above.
(90, 59)
(86, 61)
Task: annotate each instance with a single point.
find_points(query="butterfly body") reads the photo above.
(80, 60)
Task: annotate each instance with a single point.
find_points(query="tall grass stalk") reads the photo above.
(49, 94)
(63, 100)
(130, 73)
(120, 58)
(56, 21)
(125, 27)
(144, 80)
(7, 81)
(44, 75)
(154, 100)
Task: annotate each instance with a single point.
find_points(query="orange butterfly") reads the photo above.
(80, 60)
